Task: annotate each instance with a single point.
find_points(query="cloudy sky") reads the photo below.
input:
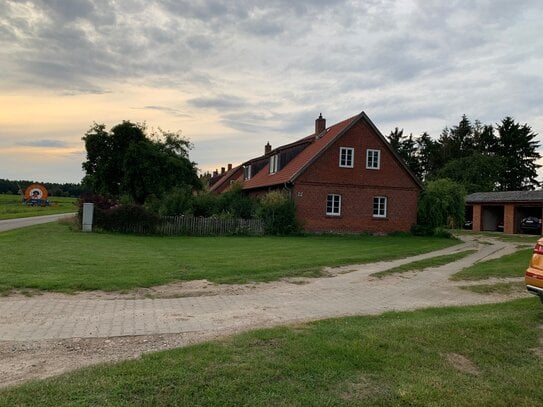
(233, 75)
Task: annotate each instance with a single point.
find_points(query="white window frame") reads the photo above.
(373, 159)
(346, 157)
(380, 206)
(333, 201)
(247, 172)
(274, 163)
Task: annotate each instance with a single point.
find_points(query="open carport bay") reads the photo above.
(522, 213)
(492, 217)
(505, 211)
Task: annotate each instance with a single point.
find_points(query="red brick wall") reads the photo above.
(357, 186)
(509, 218)
(477, 217)
(356, 209)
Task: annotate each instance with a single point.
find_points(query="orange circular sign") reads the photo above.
(36, 191)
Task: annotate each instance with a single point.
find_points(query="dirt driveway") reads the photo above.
(47, 334)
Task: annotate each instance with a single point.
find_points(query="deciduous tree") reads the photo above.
(126, 161)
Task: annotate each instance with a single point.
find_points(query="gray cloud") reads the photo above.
(420, 63)
(221, 102)
(44, 143)
(165, 109)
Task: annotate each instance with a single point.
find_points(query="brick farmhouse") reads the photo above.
(342, 178)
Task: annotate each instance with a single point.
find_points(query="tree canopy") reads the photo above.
(477, 156)
(126, 161)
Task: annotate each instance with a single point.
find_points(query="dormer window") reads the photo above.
(274, 163)
(247, 172)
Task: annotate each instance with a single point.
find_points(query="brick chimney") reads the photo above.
(320, 124)
(229, 167)
(223, 170)
(267, 148)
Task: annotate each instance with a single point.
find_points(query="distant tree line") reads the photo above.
(479, 157)
(55, 189)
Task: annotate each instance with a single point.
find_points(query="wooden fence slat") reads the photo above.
(188, 225)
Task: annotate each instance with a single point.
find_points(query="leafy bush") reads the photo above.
(236, 204)
(206, 205)
(101, 204)
(129, 219)
(422, 230)
(442, 232)
(177, 202)
(279, 214)
(109, 215)
(442, 204)
(425, 230)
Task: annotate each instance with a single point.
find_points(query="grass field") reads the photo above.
(55, 257)
(513, 265)
(483, 355)
(11, 207)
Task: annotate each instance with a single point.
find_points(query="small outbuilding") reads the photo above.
(508, 211)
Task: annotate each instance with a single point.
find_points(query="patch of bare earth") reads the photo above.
(28, 360)
(462, 363)
(195, 288)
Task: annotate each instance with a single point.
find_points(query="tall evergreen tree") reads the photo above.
(430, 156)
(407, 149)
(518, 147)
(458, 141)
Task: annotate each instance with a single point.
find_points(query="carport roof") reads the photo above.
(505, 196)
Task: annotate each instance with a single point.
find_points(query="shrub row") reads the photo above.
(276, 211)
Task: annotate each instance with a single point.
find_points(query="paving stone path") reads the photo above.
(351, 291)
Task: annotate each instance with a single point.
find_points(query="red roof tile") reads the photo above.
(228, 175)
(296, 166)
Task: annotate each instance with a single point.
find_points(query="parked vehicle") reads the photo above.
(499, 227)
(531, 224)
(534, 273)
(468, 224)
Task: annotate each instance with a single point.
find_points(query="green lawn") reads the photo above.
(11, 207)
(425, 263)
(513, 265)
(55, 257)
(463, 356)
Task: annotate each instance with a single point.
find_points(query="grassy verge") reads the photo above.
(513, 265)
(11, 207)
(498, 288)
(54, 257)
(425, 263)
(525, 239)
(482, 355)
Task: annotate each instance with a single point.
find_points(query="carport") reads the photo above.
(493, 211)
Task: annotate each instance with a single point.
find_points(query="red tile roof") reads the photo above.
(299, 163)
(228, 175)
(316, 146)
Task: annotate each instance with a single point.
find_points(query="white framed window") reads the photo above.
(333, 205)
(346, 157)
(247, 172)
(373, 159)
(379, 206)
(274, 163)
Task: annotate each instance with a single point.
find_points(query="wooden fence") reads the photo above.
(188, 225)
